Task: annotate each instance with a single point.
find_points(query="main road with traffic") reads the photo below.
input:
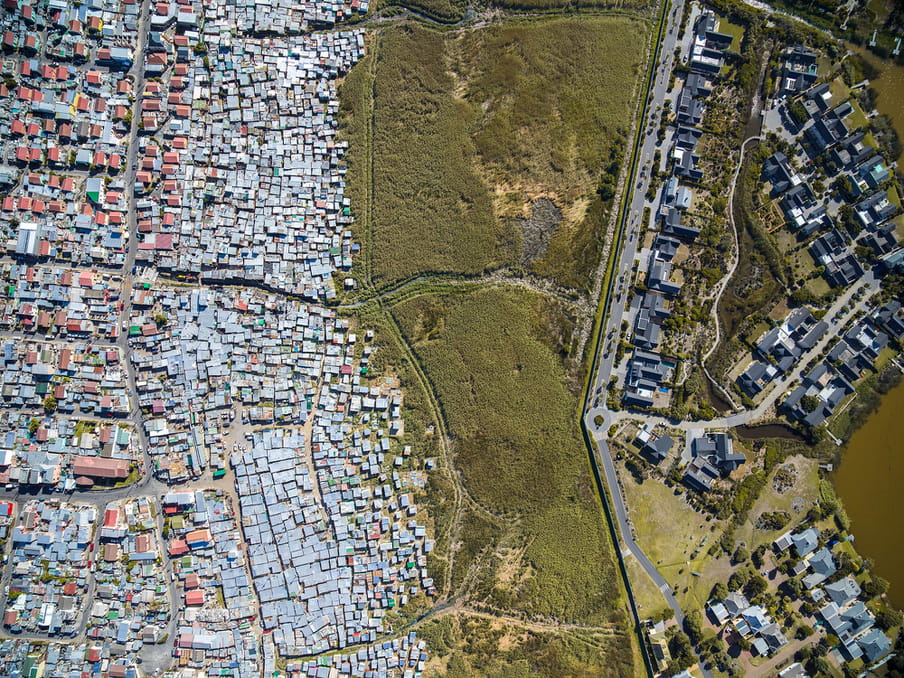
(628, 234)
(597, 417)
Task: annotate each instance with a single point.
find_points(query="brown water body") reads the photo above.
(889, 87)
(870, 482)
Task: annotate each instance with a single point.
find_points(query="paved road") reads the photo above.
(616, 298)
(836, 319)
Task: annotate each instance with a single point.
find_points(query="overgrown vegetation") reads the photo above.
(431, 211)
(449, 11)
(552, 102)
(504, 395)
(483, 123)
(476, 647)
(757, 284)
(869, 397)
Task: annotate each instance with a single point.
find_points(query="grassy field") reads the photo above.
(553, 101)
(491, 356)
(479, 126)
(441, 10)
(431, 211)
(648, 597)
(795, 500)
(466, 646)
(454, 10)
(571, 4)
(676, 538)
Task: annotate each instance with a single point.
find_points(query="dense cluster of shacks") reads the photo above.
(197, 352)
(20, 658)
(58, 302)
(238, 178)
(64, 453)
(239, 169)
(72, 378)
(50, 565)
(404, 657)
(131, 604)
(213, 627)
(332, 553)
(646, 387)
(64, 104)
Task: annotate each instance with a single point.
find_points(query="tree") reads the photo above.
(693, 626)
(798, 112)
(740, 555)
(848, 221)
(874, 587)
(33, 426)
(606, 190)
(809, 403)
(681, 650)
(803, 632)
(888, 618)
(738, 580)
(756, 586)
(709, 643)
(758, 556)
(803, 295)
(793, 587)
(719, 592)
(819, 666)
(50, 404)
(803, 654)
(161, 320)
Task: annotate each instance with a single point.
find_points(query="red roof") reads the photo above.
(98, 467)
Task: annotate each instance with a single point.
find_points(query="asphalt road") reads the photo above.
(611, 331)
(638, 184)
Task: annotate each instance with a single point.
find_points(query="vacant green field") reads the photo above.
(491, 357)
(527, 5)
(442, 10)
(467, 135)
(469, 646)
(419, 203)
(553, 102)
(454, 10)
